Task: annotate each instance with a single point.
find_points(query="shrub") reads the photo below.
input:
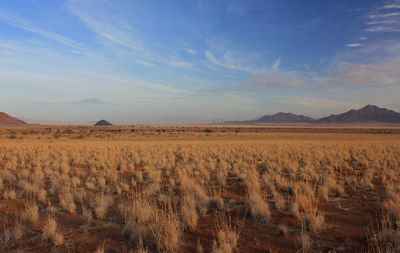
(31, 212)
(227, 236)
(189, 212)
(101, 205)
(259, 209)
(304, 243)
(18, 230)
(67, 202)
(283, 230)
(49, 232)
(138, 216)
(166, 230)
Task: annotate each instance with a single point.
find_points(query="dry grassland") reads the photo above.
(199, 191)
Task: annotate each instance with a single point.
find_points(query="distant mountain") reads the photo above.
(284, 117)
(103, 122)
(280, 117)
(369, 113)
(6, 119)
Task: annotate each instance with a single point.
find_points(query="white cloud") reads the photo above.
(382, 29)
(191, 51)
(353, 45)
(383, 16)
(276, 64)
(392, 6)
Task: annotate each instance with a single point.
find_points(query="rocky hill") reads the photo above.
(6, 119)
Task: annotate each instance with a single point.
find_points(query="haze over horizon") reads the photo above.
(132, 61)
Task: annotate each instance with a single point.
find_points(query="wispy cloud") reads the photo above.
(309, 102)
(377, 74)
(107, 29)
(276, 64)
(214, 61)
(228, 61)
(89, 102)
(25, 25)
(346, 75)
(60, 70)
(393, 5)
(381, 73)
(266, 80)
(384, 18)
(115, 32)
(190, 51)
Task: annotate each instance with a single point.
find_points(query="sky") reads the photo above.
(196, 61)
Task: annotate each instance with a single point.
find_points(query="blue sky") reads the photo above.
(151, 61)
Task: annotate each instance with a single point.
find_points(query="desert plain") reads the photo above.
(200, 188)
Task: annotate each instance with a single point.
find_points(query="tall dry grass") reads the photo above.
(155, 193)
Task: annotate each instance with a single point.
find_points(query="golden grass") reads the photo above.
(156, 191)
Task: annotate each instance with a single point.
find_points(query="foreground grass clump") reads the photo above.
(227, 236)
(49, 232)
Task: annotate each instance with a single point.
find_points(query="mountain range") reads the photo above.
(368, 113)
(280, 117)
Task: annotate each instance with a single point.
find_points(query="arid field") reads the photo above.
(183, 188)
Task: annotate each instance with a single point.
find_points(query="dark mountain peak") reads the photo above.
(103, 122)
(284, 114)
(368, 113)
(10, 120)
(370, 107)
